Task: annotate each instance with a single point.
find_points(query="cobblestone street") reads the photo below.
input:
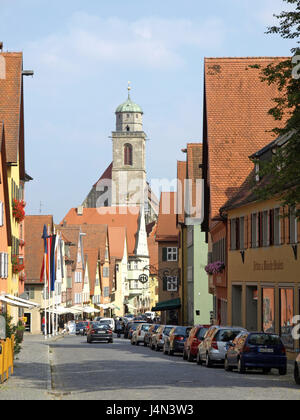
(73, 369)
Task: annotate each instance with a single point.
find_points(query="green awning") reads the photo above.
(167, 305)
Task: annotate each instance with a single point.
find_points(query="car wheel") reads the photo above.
(171, 352)
(184, 356)
(297, 375)
(137, 343)
(282, 371)
(89, 341)
(241, 368)
(165, 350)
(190, 358)
(145, 344)
(199, 361)
(156, 348)
(266, 371)
(152, 347)
(227, 367)
(208, 363)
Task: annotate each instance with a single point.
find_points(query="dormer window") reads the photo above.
(128, 154)
(127, 128)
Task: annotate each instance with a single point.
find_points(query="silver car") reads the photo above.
(158, 339)
(138, 335)
(214, 347)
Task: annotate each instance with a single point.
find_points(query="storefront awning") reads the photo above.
(167, 305)
(15, 303)
(27, 302)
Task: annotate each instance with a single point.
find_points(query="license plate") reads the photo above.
(266, 350)
(101, 332)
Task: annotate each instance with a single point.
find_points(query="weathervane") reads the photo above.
(129, 89)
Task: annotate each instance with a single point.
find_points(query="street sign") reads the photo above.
(143, 278)
(2, 328)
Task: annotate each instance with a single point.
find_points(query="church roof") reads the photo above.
(129, 106)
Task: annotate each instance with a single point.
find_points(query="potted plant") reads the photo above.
(18, 207)
(20, 331)
(215, 267)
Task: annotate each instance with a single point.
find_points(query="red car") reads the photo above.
(191, 344)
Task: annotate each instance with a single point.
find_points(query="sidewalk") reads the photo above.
(32, 376)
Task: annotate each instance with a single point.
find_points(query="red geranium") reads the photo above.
(18, 210)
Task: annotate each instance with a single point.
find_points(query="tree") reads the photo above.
(284, 170)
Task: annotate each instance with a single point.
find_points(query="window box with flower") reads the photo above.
(215, 268)
(17, 264)
(18, 211)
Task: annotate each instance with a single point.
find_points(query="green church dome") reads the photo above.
(129, 106)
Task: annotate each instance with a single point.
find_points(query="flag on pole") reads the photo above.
(44, 236)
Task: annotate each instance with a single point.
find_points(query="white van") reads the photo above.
(150, 315)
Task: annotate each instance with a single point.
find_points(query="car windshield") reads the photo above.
(167, 330)
(180, 330)
(264, 340)
(146, 327)
(225, 336)
(95, 324)
(102, 327)
(201, 333)
(105, 321)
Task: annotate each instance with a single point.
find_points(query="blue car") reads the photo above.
(256, 351)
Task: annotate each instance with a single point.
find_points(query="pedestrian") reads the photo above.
(43, 325)
(118, 328)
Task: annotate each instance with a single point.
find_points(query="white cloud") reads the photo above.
(147, 43)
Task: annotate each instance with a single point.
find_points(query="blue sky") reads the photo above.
(84, 53)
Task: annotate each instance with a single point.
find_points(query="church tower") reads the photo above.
(129, 168)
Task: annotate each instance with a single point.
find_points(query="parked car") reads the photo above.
(100, 332)
(297, 370)
(174, 342)
(193, 341)
(79, 326)
(148, 335)
(214, 347)
(150, 315)
(139, 334)
(133, 327)
(256, 350)
(128, 327)
(158, 339)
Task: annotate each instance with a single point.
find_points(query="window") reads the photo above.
(106, 291)
(172, 284)
(286, 316)
(170, 254)
(293, 226)
(105, 272)
(265, 228)
(276, 224)
(3, 265)
(233, 234)
(78, 277)
(268, 313)
(106, 254)
(254, 230)
(128, 153)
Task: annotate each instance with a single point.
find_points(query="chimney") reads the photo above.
(1, 46)
(80, 210)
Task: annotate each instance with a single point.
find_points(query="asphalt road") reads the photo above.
(120, 371)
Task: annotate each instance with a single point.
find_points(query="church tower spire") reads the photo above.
(129, 167)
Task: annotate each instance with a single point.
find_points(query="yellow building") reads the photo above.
(12, 114)
(263, 265)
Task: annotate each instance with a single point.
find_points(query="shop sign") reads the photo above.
(268, 266)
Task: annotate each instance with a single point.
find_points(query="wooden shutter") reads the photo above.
(165, 284)
(282, 226)
(271, 227)
(165, 254)
(260, 229)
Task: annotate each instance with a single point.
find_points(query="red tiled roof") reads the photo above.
(34, 245)
(167, 223)
(11, 105)
(116, 237)
(112, 217)
(237, 105)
